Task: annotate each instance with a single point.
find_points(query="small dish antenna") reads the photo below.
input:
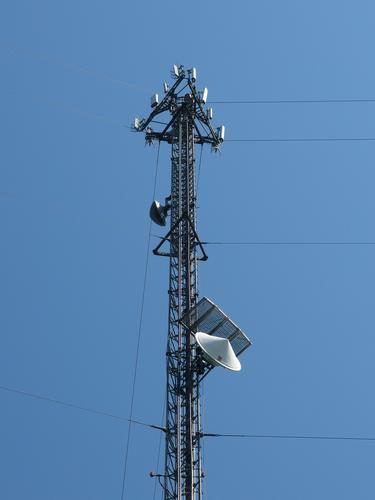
(218, 351)
(158, 212)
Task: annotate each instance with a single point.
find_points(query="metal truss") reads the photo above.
(188, 124)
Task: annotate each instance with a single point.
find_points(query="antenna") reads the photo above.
(200, 335)
(158, 212)
(218, 351)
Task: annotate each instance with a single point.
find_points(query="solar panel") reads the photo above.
(206, 317)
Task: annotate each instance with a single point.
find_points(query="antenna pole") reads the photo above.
(189, 125)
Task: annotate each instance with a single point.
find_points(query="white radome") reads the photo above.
(218, 351)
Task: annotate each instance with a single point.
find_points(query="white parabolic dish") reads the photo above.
(218, 351)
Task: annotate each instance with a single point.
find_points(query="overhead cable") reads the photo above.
(159, 445)
(307, 139)
(293, 101)
(56, 104)
(51, 59)
(285, 436)
(205, 434)
(199, 167)
(347, 243)
(76, 407)
(139, 334)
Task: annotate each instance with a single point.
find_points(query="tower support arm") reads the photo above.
(164, 104)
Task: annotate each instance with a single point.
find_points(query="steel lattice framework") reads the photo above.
(189, 124)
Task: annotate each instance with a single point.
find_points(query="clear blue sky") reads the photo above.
(75, 188)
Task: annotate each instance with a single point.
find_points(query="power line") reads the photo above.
(139, 335)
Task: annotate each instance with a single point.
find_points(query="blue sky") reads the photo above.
(75, 191)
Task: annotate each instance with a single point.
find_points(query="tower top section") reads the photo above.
(182, 98)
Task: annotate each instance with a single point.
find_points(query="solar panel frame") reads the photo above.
(206, 317)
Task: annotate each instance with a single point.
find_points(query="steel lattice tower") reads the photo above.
(189, 124)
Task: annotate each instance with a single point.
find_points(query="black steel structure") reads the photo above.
(187, 125)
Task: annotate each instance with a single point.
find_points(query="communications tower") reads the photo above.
(200, 335)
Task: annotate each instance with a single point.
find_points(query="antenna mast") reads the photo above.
(188, 124)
